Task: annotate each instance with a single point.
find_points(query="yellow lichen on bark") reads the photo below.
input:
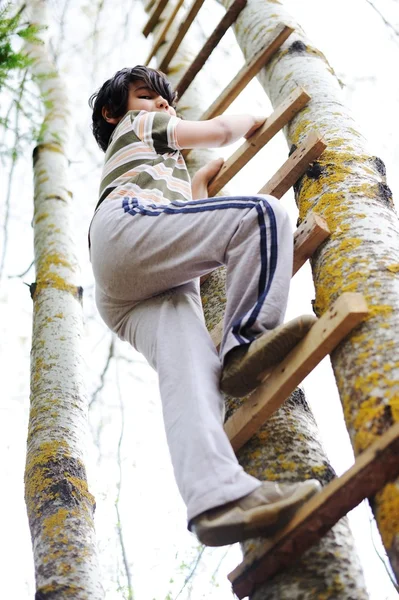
(387, 513)
(347, 187)
(393, 268)
(80, 488)
(38, 479)
(54, 527)
(48, 273)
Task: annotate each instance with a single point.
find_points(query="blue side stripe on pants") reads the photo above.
(132, 206)
(240, 330)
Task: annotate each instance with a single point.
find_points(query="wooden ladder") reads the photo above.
(378, 464)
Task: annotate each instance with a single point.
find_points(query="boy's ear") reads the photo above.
(105, 114)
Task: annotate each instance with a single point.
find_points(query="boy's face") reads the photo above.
(142, 97)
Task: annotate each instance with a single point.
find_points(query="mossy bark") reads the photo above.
(59, 505)
(348, 188)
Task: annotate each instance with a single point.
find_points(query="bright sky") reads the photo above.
(362, 51)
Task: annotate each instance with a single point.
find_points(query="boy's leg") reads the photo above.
(259, 270)
(162, 251)
(257, 288)
(154, 247)
(169, 330)
(224, 504)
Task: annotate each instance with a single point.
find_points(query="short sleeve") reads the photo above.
(157, 129)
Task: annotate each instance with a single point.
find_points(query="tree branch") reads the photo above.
(103, 373)
(387, 23)
(384, 562)
(118, 487)
(191, 574)
(14, 158)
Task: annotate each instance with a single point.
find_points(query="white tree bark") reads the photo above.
(288, 446)
(347, 186)
(60, 507)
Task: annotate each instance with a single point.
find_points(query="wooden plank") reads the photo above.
(373, 468)
(149, 5)
(295, 166)
(277, 120)
(164, 30)
(273, 42)
(348, 311)
(227, 20)
(177, 40)
(154, 16)
(307, 238)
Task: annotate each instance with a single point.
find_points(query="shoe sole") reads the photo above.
(263, 521)
(264, 353)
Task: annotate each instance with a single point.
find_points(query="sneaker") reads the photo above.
(259, 514)
(244, 365)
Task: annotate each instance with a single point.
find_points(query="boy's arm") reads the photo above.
(217, 132)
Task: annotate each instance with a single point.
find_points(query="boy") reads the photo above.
(152, 237)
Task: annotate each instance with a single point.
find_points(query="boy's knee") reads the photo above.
(277, 207)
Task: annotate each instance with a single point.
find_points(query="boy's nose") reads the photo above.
(161, 102)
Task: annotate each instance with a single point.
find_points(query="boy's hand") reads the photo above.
(259, 121)
(200, 181)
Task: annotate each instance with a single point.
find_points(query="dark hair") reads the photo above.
(114, 95)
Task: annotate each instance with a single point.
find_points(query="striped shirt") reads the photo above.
(143, 160)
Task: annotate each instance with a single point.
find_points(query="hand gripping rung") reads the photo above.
(288, 108)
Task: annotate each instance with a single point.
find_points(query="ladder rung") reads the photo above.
(273, 42)
(373, 468)
(148, 6)
(184, 27)
(227, 20)
(348, 311)
(310, 234)
(154, 16)
(295, 166)
(307, 238)
(277, 120)
(162, 34)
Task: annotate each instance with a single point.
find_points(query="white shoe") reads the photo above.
(244, 364)
(259, 514)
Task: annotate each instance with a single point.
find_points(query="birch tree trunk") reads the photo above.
(347, 186)
(288, 446)
(59, 505)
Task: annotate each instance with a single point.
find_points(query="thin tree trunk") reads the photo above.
(60, 507)
(348, 188)
(288, 446)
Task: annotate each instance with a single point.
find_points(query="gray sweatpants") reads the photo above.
(147, 259)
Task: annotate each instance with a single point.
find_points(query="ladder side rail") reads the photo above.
(154, 16)
(181, 32)
(227, 20)
(164, 30)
